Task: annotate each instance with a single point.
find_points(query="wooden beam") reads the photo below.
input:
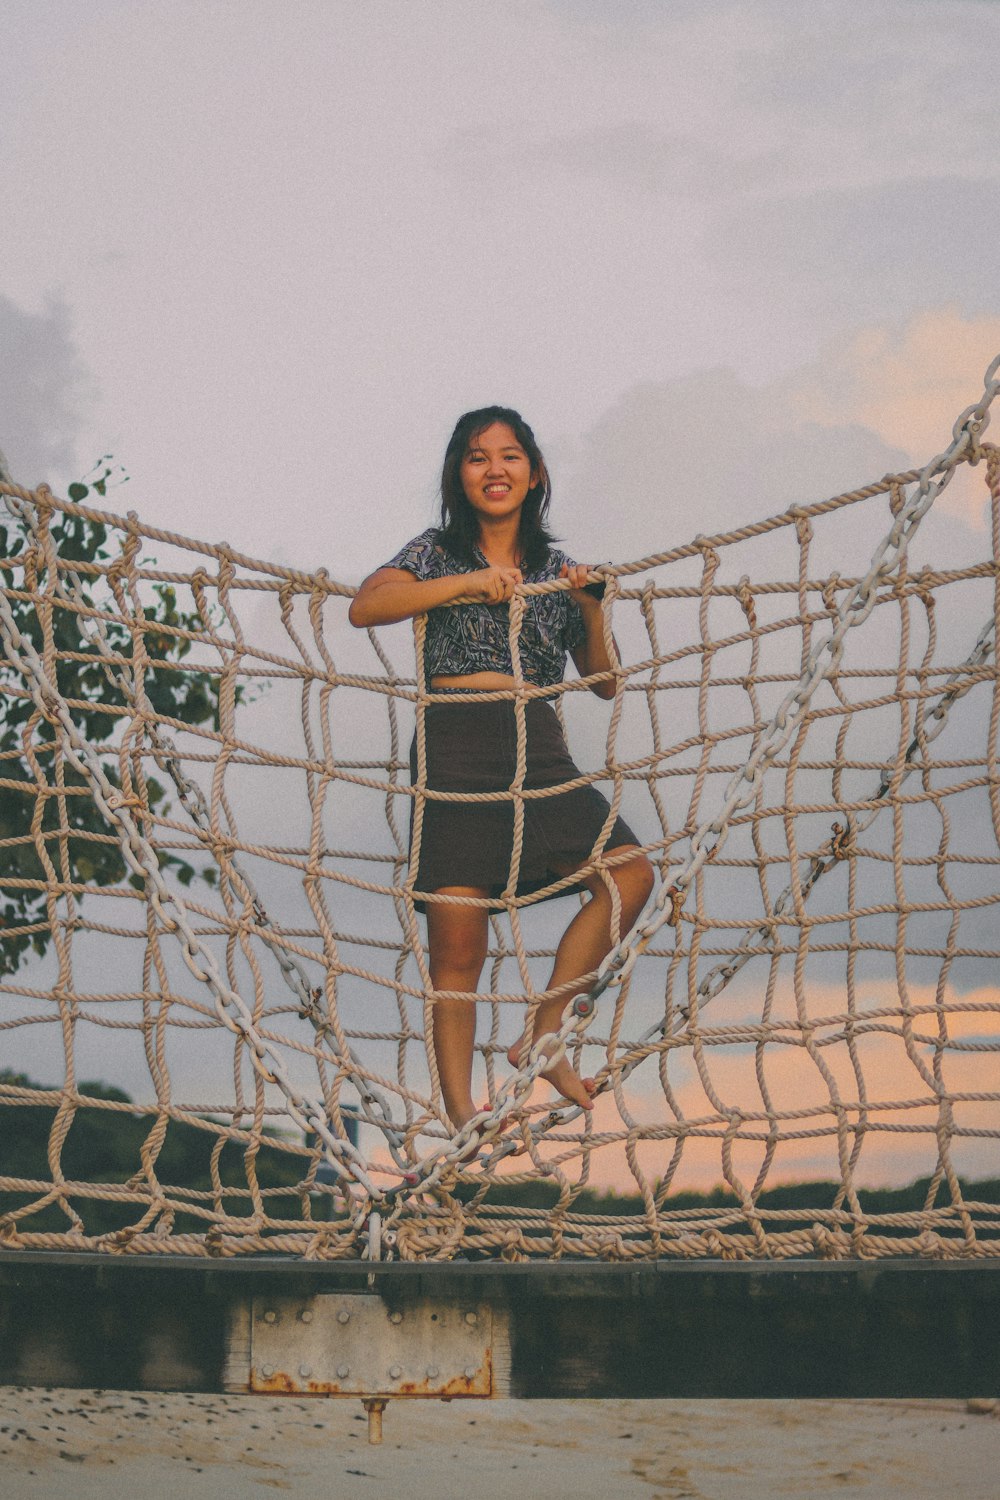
(565, 1329)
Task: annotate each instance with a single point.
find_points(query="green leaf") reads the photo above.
(78, 492)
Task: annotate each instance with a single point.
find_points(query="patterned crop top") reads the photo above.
(466, 638)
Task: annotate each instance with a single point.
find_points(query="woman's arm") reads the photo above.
(591, 655)
(392, 594)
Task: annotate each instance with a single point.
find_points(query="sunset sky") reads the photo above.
(721, 255)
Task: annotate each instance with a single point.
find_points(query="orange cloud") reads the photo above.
(907, 387)
(714, 1085)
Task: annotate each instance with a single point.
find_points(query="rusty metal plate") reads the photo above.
(353, 1344)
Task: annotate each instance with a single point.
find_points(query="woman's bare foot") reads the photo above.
(563, 1077)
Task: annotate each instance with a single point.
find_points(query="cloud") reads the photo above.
(708, 451)
(637, 156)
(899, 1145)
(43, 390)
(907, 384)
(884, 250)
(724, 101)
(903, 384)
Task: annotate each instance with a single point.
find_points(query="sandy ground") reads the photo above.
(103, 1445)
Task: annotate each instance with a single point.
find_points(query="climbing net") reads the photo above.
(212, 914)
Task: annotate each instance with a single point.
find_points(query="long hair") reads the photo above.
(459, 522)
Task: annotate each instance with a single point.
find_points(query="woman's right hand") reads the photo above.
(489, 585)
(393, 594)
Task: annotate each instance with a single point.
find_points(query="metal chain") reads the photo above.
(374, 1108)
(141, 858)
(761, 934)
(830, 854)
(709, 838)
(617, 966)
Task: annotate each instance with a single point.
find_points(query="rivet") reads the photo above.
(267, 1371)
(306, 1315)
(395, 1372)
(305, 1371)
(343, 1371)
(471, 1318)
(471, 1372)
(396, 1317)
(433, 1372)
(270, 1317)
(343, 1316)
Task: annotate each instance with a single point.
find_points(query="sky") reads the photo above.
(725, 257)
(718, 254)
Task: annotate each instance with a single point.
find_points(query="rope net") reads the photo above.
(208, 908)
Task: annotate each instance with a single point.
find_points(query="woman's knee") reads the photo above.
(458, 936)
(635, 879)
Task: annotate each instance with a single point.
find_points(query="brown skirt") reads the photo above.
(472, 747)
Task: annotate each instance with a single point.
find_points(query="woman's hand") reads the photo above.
(489, 586)
(591, 656)
(576, 575)
(393, 594)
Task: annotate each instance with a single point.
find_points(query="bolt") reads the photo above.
(395, 1372)
(267, 1371)
(306, 1315)
(471, 1372)
(270, 1317)
(343, 1371)
(396, 1317)
(305, 1371)
(343, 1316)
(471, 1318)
(433, 1372)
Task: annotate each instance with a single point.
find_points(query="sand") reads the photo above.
(103, 1445)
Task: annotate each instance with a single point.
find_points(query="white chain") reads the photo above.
(826, 858)
(193, 801)
(709, 838)
(170, 908)
(617, 966)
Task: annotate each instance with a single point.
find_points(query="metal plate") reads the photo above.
(355, 1344)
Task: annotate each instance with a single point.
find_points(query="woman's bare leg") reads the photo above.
(584, 943)
(457, 940)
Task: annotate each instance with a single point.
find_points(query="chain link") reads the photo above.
(141, 858)
(710, 836)
(374, 1108)
(705, 843)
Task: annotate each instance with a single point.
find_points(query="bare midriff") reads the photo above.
(484, 682)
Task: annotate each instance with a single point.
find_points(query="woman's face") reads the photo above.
(496, 473)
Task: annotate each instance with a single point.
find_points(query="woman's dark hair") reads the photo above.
(459, 522)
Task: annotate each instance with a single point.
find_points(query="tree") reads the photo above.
(191, 696)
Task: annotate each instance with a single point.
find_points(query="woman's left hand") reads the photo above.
(576, 574)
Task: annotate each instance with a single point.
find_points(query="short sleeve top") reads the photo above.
(466, 638)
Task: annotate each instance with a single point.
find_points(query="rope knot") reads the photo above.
(842, 844)
(803, 525)
(745, 595)
(120, 800)
(709, 555)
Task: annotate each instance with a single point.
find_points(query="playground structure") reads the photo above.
(804, 734)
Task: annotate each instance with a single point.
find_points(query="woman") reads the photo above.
(495, 494)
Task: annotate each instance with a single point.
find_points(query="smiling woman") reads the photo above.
(495, 493)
